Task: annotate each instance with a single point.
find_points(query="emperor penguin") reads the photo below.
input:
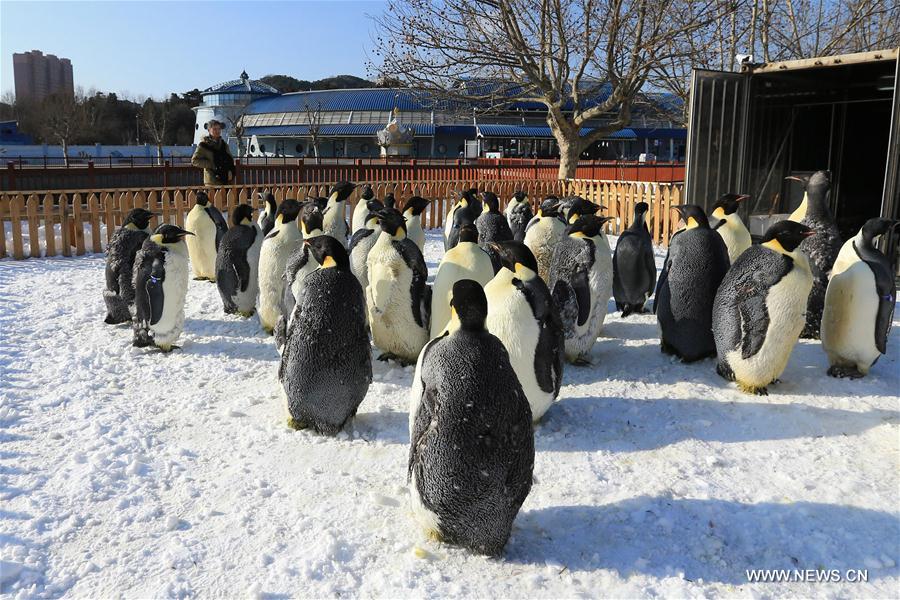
(334, 221)
(523, 315)
(361, 210)
(123, 247)
(581, 281)
(299, 264)
(543, 233)
(471, 456)
(237, 263)
(491, 224)
(398, 297)
(518, 214)
(859, 304)
(822, 248)
(266, 219)
(273, 256)
(694, 267)
(634, 266)
(326, 363)
(389, 200)
(461, 215)
(758, 310)
(577, 207)
(361, 243)
(466, 260)
(730, 226)
(161, 276)
(208, 226)
(412, 212)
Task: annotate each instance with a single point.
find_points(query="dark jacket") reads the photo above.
(215, 159)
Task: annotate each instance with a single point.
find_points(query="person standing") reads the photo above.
(213, 156)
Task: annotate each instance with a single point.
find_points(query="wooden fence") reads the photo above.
(67, 222)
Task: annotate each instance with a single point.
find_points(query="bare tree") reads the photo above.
(314, 120)
(64, 120)
(156, 124)
(584, 60)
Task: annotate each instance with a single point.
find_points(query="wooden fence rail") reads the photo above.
(67, 222)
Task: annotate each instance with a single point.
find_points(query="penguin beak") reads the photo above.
(742, 197)
(809, 233)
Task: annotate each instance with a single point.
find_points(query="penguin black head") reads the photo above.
(470, 304)
(549, 207)
(582, 207)
(367, 193)
(389, 200)
(373, 220)
(288, 211)
(202, 198)
(341, 191)
(516, 257)
(727, 205)
(875, 227)
(139, 217)
(329, 252)
(641, 208)
(243, 211)
(393, 222)
(492, 201)
(311, 218)
(587, 226)
(269, 201)
(785, 236)
(520, 196)
(416, 204)
(468, 233)
(166, 235)
(374, 205)
(692, 215)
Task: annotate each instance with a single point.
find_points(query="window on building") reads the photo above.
(299, 148)
(252, 148)
(262, 147)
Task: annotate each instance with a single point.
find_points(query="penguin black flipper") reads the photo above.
(357, 237)
(887, 294)
(424, 413)
(551, 339)
(412, 256)
(663, 281)
(221, 225)
(155, 288)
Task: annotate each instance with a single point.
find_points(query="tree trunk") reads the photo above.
(65, 149)
(160, 155)
(569, 152)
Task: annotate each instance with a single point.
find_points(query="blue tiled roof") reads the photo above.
(524, 131)
(237, 85)
(344, 129)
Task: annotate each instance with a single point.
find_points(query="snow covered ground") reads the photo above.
(125, 472)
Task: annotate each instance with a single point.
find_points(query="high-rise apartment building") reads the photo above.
(38, 76)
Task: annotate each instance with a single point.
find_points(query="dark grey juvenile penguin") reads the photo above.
(518, 213)
(521, 312)
(412, 212)
(822, 248)
(463, 214)
(859, 304)
(326, 364)
(695, 265)
(634, 267)
(361, 210)
(758, 311)
(581, 283)
(471, 455)
(492, 226)
(208, 225)
(266, 219)
(125, 243)
(389, 200)
(160, 282)
(237, 263)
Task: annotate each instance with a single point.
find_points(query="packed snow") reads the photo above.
(127, 472)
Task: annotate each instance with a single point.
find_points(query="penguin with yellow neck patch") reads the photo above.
(334, 221)
(543, 233)
(362, 209)
(694, 267)
(237, 263)
(466, 260)
(161, 276)
(412, 212)
(276, 248)
(759, 309)
(462, 214)
(730, 226)
(471, 456)
(124, 246)
(209, 226)
(326, 363)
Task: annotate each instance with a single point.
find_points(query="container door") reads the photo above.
(890, 203)
(716, 135)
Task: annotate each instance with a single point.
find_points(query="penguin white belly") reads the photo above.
(600, 282)
(448, 222)
(272, 260)
(540, 239)
(359, 258)
(786, 306)
(171, 321)
(360, 213)
(333, 223)
(848, 321)
(736, 238)
(458, 264)
(511, 319)
(415, 232)
(246, 300)
(394, 330)
(201, 245)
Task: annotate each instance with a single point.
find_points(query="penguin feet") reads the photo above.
(201, 278)
(246, 313)
(725, 371)
(667, 349)
(750, 389)
(386, 356)
(296, 425)
(166, 348)
(851, 372)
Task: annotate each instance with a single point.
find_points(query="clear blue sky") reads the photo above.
(154, 48)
